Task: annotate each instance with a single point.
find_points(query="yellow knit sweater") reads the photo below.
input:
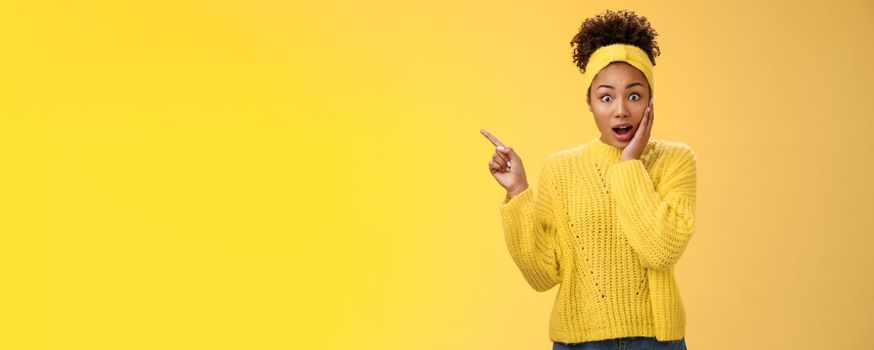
(610, 232)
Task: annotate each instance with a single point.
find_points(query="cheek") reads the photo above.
(603, 122)
(637, 117)
(601, 112)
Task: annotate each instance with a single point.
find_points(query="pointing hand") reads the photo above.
(506, 166)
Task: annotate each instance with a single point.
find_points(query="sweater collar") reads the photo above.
(610, 152)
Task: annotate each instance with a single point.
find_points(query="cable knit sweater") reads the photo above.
(610, 232)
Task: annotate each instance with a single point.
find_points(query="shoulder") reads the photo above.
(670, 159)
(560, 161)
(564, 156)
(672, 152)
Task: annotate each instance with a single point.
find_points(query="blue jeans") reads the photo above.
(629, 343)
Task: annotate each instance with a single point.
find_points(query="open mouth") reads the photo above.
(622, 130)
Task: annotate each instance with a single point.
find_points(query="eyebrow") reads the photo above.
(610, 87)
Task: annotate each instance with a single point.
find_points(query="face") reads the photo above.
(619, 96)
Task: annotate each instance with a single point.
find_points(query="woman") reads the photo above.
(611, 217)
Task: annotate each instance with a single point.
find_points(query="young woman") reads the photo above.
(612, 216)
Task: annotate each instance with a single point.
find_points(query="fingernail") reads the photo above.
(500, 148)
(509, 163)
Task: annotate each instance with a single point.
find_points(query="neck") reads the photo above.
(608, 151)
(604, 149)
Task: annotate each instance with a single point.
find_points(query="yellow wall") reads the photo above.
(266, 175)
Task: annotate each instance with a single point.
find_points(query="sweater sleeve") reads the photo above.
(659, 220)
(530, 232)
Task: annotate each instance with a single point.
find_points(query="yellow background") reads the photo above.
(284, 175)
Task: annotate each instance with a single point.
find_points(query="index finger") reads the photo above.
(491, 137)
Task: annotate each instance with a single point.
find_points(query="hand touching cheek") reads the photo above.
(641, 136)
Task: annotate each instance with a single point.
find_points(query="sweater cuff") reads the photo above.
(516, 203)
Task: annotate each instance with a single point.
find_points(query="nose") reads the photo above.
(621, 110)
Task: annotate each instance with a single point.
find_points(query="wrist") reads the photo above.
(513, 192)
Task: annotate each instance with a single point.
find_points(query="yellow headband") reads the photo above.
(631, 54)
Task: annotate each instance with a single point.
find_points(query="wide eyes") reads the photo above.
(634, 97)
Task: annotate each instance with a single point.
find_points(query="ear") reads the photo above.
(589, 98)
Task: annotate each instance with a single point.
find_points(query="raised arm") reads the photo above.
(658, 221)
(530, 231)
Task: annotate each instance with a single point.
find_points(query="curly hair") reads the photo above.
(613, 27)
